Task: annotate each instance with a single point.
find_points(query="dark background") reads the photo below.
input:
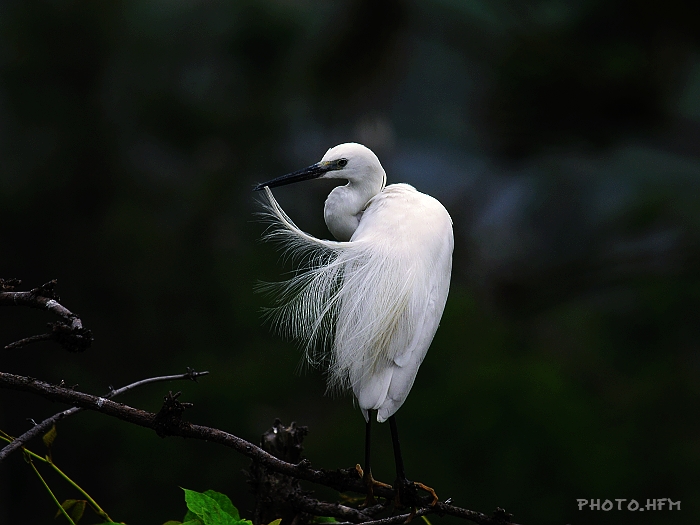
(562, 136)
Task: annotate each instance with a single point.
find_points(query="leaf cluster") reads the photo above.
(211, 508)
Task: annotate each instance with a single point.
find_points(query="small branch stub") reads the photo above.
(274, 491)
(168, 420)
(8, 285)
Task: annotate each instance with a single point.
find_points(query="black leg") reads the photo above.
(398, 460)
(367, 472)
(406, 491)
(368, 434)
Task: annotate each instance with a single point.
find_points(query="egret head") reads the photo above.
(351, 161)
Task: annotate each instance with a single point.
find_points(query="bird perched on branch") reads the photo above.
(367, 305)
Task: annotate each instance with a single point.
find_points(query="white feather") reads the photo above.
(367, 308)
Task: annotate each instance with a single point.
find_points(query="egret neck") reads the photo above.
(345, 204)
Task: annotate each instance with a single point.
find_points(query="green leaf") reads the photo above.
(276, 522)
(208, 509)
(49, 437)
(324, 519)
(66, 506)
(78, 510)
(75, 508)
(172, 522)
(225, 503)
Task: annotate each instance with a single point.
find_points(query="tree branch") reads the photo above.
(44, 426)
(69, 334)
(321, 508)
(394, 520)
(169, 423)
(28, 340)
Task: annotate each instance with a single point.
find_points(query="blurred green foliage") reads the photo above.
(563, 138)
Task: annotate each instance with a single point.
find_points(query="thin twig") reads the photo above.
(340, 480)
(43, 427)
(95, 506)
(53, 496)
(29, 456)
(191, 374)
(28, 340)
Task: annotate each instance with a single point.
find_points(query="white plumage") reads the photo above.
(367, 306)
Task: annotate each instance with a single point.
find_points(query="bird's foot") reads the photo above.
(407, 494)
(429, 490)
(370, 483)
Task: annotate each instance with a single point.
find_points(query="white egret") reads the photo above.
(373, 299)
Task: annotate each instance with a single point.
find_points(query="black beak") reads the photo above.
(312, 172)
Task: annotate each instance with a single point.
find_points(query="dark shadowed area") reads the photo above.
(562, 136)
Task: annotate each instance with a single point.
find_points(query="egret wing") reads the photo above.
(391, 324)
(373, 303)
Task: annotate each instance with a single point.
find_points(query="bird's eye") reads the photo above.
(342, 163)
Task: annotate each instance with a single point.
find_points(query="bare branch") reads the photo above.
(69, 334)
(44, 426)
(169, 422)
